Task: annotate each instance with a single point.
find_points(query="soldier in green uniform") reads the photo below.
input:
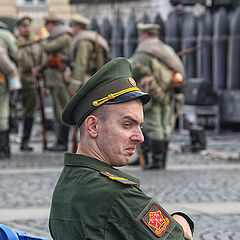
(57, 48)
(89, 52)
(9, 82)
(29, 58)
(92, 199)
(159, 72)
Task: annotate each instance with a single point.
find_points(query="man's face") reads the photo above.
(120, 132)
(76, 28)
(50, 26)
(24, 30)
(144, 36)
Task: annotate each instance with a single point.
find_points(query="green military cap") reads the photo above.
(148, 27)
(111, 84)
(3, 25)
(24, 21)
(79, 19)
(52, 18)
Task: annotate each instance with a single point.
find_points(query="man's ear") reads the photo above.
(92, 124)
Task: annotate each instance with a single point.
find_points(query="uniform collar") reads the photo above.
(78, 160)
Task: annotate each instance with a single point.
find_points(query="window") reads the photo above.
(35, 2)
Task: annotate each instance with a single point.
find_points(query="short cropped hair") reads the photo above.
(101, 112)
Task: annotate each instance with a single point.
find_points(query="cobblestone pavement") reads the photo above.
(196, 181)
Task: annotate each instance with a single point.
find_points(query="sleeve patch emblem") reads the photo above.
(157, 220)
(118, 179)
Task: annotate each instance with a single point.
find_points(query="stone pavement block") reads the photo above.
(217, 227)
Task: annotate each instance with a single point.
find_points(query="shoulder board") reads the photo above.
(118, 179)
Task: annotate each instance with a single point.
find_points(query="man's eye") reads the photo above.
(127, 124)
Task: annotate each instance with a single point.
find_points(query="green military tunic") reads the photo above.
(89, 52)
(93, 200)
(153, 71)
(84, 53)
(9, 40)
(7, 67)
(57, 43)
(4, 107)
(30, 56)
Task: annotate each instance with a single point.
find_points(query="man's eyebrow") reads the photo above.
(128, 117)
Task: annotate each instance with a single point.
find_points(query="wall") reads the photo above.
(102, 10)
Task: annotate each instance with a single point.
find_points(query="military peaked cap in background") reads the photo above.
(3, 25)
(111, 84)
(148, 27)
(52, 18)
(24, 21)
(79, 19)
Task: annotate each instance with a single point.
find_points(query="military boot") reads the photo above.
(13, 124)
(27, 129)
(62, 139)
(198, 139)
(157, 149)
(4, 145)
(165, 150)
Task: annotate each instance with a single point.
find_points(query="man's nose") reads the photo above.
(138, 136)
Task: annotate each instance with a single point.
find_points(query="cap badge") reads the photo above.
(27, 21)
(132, 82)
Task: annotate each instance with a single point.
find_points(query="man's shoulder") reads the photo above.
(85, 42)
(142, 58)
(118, 179)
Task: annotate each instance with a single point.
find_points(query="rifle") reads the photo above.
(188, 51)
(44, 138)
(43, 118)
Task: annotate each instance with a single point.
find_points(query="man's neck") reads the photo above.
(92, 152)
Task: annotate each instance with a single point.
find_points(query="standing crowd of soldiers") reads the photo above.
(26, 61)
(66, 59)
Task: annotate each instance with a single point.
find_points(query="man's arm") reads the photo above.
(84, 49)
(137, 216)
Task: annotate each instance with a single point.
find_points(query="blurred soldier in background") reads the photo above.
(3, 25)
(57, 46)
(159, 71)
(29, 58)
(10, 43)
(9, 82)
(89, 52)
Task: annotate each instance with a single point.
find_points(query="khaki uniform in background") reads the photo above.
(57, 47)
(155, 65)
(89, 52)
(13, 52)
(8, 72)
(9, 40)
(30, 57)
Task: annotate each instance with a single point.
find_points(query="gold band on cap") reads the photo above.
(112, 96)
